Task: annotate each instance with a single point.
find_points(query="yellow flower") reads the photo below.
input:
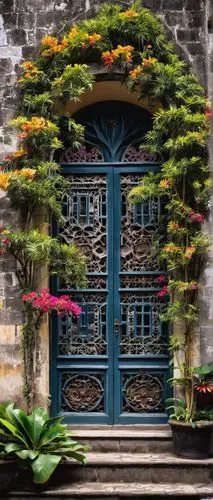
(128, 13)
(31, 71)
(173, 226)
(92, 39)
(73, 33)
(165, 184)
(19, 152)
(149, 62)
(49, 40)
(135, 72)
(6, 176)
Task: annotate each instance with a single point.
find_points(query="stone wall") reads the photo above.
(22, 25)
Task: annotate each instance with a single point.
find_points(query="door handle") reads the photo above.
(116, 327)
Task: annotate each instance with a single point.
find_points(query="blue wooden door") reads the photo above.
(111, 365)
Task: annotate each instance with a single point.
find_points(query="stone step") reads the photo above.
(116, 491)
(130, 439)
(137, 468)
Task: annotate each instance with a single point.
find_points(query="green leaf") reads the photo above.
(11, 447)
(27, 454)
(44, 466)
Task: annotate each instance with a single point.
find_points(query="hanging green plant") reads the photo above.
(134, 41)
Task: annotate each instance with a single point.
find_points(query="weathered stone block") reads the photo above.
(26, 20)
(152, 4)
(29, 51)
(10, 334)
(45, 19)
(195, 19)
(17, 36)
(6, 279)
(9, 20)
(6, 66)
(174, 5)
(26, 5)
(6, 5)
(193, 5)
(195, 48)
(10, 52)
(175, 18)
(7, 317)
(187, 35)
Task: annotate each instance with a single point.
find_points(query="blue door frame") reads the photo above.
(119, 386)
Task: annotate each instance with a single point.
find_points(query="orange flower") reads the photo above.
(6, 176)
(135, 72)
(63, 43)
(27, 65)
(4, 180)
(124, 51)
(189, 252)
(92, 39)
(128, 13)
(31, 71)
(49, 40)
(73, 33)
(148, 46)
(172, 248)
(165, 184)
(26, 172)
(173, 226)
(54, 45)
(16, 154)
(22, 135)
(108, 58)
(19, 153)
(149, 62)
(208, 113)
(36, 123)
(120, 50)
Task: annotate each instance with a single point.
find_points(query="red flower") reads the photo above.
(203, 387)
(161, 278)
(5, 241)
(164, 291)
(208, 113)
(194, 286)
(196, 217)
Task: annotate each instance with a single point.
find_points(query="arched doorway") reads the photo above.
(111, 365)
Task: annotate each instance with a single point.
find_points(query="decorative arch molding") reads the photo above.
(114, 131)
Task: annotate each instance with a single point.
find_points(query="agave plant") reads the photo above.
(36, 441)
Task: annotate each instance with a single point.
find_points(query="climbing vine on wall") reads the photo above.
(133, 41)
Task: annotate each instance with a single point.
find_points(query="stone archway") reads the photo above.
(7, 313)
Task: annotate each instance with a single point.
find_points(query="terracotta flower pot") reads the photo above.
(191, 442)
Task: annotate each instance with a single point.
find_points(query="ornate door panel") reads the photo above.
(110, 366)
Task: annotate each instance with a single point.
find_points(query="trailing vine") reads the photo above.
(132, 40)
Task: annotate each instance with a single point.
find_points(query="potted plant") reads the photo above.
(36, 442)
(191, 426)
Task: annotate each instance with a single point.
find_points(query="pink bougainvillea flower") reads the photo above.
(47, 303)
(164, 291)
(161, 278)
